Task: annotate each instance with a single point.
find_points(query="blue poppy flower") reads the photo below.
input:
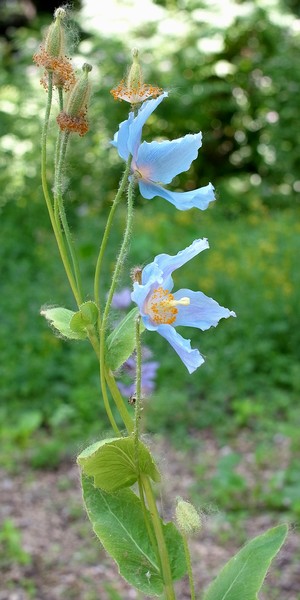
(156, 163)
(162, 310)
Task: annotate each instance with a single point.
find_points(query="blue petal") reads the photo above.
(167, 264)
(161, 161)
(120, 140)
(199, 198)
(139, 121)
(203, 312)
(190, 357)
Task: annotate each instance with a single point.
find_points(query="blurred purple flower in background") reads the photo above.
(149, 368)
(122, 300)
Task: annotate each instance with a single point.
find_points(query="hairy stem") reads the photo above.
(189, 566)
(59, 210)
(56, 230)
(106, 233)
(138, 390)
(115, 277)
(161, 543)
(119, 402)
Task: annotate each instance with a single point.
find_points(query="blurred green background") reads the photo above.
(231, 69)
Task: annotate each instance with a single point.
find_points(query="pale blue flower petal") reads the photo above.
(199, 198)
(152, 278)
(203, 312)
(136, 126)
(162, 161)
(120, 140)
(167, 263)
(189, 356)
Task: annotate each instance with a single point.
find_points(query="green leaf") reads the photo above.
(86, 315)
(120, 344)
(60, 319)
(89, 312)
(243, 575)
(118, 522)
(112, 463)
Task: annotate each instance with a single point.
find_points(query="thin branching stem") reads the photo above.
(56, 230)
(117, 271)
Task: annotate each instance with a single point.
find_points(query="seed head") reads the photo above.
(133, 89)
(73, 118)
(187, 518)
(52, 56)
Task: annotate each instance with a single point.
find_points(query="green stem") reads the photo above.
(138, 409)
(162, 548)
(147, 521)
(56, 230)
(138, 390)
(120, 259)
(115, 277)
(61, 98)
(189, 566)
(59, 210)
(119, 402)
(107, 230)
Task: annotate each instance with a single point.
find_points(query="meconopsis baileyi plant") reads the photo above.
(119, 474)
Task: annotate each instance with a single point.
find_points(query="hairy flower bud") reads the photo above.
(52, 54)
(187, 518)
(136, 274)
(133, 90)
(55, 38)
(135, 75)
(79, 95)
(73, 119)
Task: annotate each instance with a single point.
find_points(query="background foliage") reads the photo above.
(239, 85)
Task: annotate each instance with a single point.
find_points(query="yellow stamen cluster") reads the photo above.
(133, 90)
(161, 306)
(73, 123)
(137, 94)
(60, 66)
(52, 56)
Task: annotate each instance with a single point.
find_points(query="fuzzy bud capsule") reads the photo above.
(187, 518)
(135, 76)
(79, 95)
(55, 39)
(133, 90)
(52, 57)
(73, 118)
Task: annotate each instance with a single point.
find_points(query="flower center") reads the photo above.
(161, 306)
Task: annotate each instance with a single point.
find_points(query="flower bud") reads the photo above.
(52, 55)
(73, 119)
(79, 95)
(135, 75)
(136, 274)
(55, 39)
(187, 518)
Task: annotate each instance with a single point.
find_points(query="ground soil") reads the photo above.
(66, 562)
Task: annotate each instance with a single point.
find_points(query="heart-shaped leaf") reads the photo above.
(60, 319)
(120, 344)
(113, 463)
(118, 521)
